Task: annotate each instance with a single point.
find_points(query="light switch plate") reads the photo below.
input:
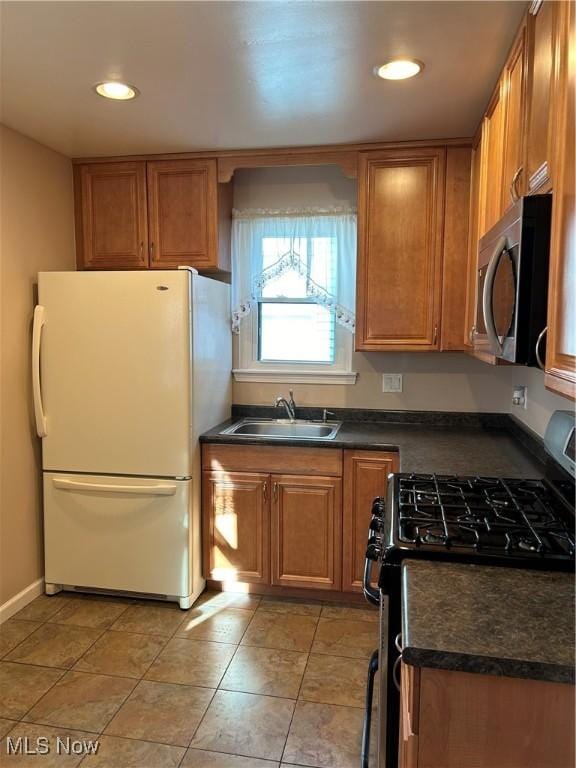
(392, 382)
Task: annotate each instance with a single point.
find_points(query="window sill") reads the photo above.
(294, 377)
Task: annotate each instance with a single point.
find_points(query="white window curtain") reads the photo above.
(317, 244)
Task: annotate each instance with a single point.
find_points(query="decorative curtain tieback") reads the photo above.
(291, 261)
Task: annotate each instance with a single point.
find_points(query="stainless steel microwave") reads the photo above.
(512, 289)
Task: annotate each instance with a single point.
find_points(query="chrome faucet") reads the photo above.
(289, 405)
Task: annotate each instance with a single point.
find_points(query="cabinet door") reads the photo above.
(307, 531)
(400, 214)
(561, 346)
(514, 84)
(111, 229)
(409, 716)
(476, 205)
(182, 211)
(365, 478)
(455, 250)
(236, 514)
(541, 23)
(492, 156)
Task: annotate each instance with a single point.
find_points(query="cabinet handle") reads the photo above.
(151, 250)
(513, 188)
(539, 341)
(265, 492)
(472, 335)
(435, 334)
(141, 249)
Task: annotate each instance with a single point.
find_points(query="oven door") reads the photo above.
(380, 744)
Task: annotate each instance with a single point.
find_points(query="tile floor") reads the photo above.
(238, 681)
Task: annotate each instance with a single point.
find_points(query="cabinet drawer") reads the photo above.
(273, 459)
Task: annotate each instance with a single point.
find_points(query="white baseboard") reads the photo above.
(12, 606)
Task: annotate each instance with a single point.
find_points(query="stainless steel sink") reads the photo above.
(283, 429)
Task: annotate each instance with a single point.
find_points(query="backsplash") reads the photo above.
(449, 382)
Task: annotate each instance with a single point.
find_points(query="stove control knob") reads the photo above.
(376, 524)
(374, 550)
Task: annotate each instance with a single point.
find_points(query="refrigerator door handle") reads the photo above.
(142, 490)
(39, 414)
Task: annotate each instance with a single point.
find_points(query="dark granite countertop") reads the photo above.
(495, 621)
(444, 447)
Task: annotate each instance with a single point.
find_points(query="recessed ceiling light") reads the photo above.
(399, 69)
(116, 90)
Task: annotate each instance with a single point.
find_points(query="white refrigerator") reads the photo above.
(128, 369)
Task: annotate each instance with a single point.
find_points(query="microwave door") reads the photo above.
(487, 294)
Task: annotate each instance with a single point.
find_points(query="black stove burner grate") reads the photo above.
(498, 516)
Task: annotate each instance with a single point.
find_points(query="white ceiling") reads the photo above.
(247, 74)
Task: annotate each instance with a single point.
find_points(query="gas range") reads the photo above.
(512, 522)
(504, 521)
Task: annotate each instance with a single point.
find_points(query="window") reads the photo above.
(292, 326)
(295, 270)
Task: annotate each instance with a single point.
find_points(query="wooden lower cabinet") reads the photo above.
(236, 526)
(463, 720)
(307, 531)
(365, 478)
(275, 515)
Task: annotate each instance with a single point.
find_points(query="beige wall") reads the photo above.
(431, 382)
(36, 218)
(298, 187)
(541, 402)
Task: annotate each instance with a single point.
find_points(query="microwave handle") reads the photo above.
(487, 296)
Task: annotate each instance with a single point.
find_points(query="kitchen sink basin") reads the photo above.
(285, 429)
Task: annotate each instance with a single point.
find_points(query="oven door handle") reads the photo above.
(372, 669)
(487, 308)
(370, 593)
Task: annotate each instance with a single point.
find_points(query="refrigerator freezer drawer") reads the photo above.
(118, 533)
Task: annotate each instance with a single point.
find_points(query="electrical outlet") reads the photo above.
(520, 397)
(392, 382)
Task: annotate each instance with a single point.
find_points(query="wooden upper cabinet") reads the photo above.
(561, 343)
(236, 531)
(307, 531)
(365, 478)
(476, 205)
(455, 248)
(161, 214)
(539, 139)
(492, 160)
(111, 226)
(514, 86)
(400, 215)
(183, 213)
